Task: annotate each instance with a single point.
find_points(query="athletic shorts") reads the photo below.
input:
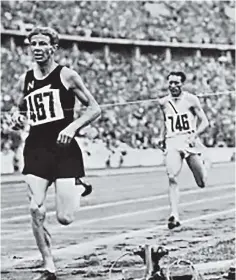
(180, 143)
(53, 161)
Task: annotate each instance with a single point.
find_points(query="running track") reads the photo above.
(120, 207)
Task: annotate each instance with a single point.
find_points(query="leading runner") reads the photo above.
(51, 154)
(184, 121)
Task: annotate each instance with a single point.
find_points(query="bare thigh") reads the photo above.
(37, 188)
(67, 199)
(197, 167)
(174, 162)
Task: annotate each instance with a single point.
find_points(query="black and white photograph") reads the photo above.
(118, 140)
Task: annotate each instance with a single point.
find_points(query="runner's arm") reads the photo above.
(18, 111)
(92, 111)
(204, 123)
(18, 91)
(162, 142)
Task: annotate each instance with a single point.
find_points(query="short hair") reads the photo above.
(180, 74)
(47, 31)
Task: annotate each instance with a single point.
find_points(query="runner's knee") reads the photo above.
(38, 212)
(65, 219)
(201, 182)
(172, 180)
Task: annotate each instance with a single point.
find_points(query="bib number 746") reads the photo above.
(179, 123)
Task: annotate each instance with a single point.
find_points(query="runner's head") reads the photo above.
(44, 42)
(175, 82)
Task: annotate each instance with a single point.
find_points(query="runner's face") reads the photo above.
(41, 48)
(175, 85)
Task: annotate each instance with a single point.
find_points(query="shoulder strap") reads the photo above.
(173, 107)
(29, 77)
(57, 70)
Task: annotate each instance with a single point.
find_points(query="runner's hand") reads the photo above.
(18, 121)
(162, 144)
(66, 135)
(192, 140)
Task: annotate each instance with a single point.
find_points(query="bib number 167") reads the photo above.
(44, 107)
(37, 106)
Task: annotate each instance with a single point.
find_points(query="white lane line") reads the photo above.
(108, 240)
(86, 247)
(98, 173)
(54, 228)
(5, 182)
(215, 166)
(214, 266)
(50, 198)
(122, 202)
(210, 267)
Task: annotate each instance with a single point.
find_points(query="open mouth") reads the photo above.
(38, 56)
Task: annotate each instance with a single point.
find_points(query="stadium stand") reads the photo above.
(161, 21)
(119, 76)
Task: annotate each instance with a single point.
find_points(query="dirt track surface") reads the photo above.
(122, 212)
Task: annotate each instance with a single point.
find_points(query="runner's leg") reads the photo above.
(198, 169)
(68, 195)
(174, 163)
(37, 189)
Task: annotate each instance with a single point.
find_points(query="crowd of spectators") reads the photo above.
(120, 76)
(183, 21)
(123, 78)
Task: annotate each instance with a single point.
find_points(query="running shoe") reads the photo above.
(46, 275)
(231, 273)
(172, 222)
(88, 187)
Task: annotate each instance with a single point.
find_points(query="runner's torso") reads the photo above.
(179, 115)
(49, 106)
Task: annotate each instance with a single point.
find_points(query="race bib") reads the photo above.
(44, 106)
(178, 123)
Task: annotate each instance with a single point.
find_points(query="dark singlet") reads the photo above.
(49, 106)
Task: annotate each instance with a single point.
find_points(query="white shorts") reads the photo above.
(180, 143)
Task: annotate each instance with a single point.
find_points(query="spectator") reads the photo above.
(182, 21)
(119, 78)
(123, 79)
